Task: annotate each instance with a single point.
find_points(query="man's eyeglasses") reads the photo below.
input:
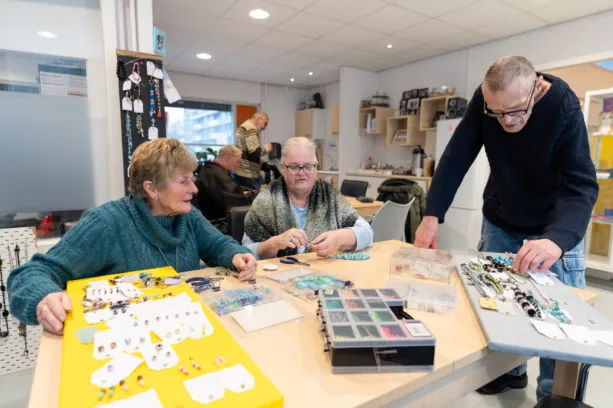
(295, 169)
(519, 112)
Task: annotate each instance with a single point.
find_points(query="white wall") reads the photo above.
(355, 85)
(448, 69)
(80, 35)
(547, 46)
(280, 102)
(330, 95)
(464, 69)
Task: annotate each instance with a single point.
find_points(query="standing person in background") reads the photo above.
(247, 139)
(542, 186)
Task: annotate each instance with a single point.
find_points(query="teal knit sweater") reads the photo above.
(119, 236)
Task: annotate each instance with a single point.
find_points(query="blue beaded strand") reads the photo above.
(352, 256)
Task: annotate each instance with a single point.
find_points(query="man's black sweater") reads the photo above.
(212, 180)
(542, 179)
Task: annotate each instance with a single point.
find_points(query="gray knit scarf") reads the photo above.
(271, 214)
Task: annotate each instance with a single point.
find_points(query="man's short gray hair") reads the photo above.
(229, 150)
(505, 70)
(258, 115)
(301, 143)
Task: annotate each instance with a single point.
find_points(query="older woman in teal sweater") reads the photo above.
(153, 227)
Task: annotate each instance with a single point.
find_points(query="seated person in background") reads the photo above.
(154, 226)
(300, 213)
(213, 178)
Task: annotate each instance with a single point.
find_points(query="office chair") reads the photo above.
(236, 222)
(354, 188)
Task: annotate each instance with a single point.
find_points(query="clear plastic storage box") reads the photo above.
(421, 263)
(426, 297)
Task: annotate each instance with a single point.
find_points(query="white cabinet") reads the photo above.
(311, 123)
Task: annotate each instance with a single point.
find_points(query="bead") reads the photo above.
(123, 385)
(531, 312)
(100, 349)
(140, 380)
(111, 391)
(113, 345)
(101, 394)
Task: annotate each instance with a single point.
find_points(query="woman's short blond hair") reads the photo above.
(157, 161)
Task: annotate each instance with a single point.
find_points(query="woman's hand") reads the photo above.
(334, 241)
(51, 312)
(245, 266)
(293, 238)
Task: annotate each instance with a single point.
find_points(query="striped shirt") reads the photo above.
(247, 139)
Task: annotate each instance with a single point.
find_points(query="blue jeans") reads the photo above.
(570, 270)
(250, 183)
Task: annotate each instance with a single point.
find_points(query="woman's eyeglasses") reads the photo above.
(294, 168)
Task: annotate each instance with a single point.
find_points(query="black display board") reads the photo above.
(150, 91)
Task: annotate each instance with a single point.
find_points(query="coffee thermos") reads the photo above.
(417, 167)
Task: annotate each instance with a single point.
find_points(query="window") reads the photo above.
(201, 125)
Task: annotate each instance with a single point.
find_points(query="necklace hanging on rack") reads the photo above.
(157, 94)
(138, 109)
(129, 136)
(135, 76)
(152, 132)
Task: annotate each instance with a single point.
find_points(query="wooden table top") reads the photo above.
(292, 357)
(359, 205)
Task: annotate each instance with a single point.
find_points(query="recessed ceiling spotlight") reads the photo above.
(311, 73)
(259, 14)
(291, 79)
(46, 34)
(389, 45)
(204, 56)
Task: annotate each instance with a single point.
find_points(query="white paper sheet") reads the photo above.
(604, 336)
(254, 318)
(580, 334)
(550, 330)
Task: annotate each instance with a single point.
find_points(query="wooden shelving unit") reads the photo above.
(429, 107)
(335, 127)
(380, 114)
(409, 124)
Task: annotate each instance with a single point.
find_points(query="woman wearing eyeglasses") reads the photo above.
(300, 213)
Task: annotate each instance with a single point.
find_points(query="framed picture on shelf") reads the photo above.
(400, 136)
(406, 95)
(413, 104)
(403, 104)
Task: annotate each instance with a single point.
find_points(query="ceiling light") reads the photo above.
(46, 34)
(204, 56)
(311, 73)
(291, 79)
(259, 14)
(389, 45)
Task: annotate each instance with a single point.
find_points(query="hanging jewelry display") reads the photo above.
(121, 71)
(139, 117)
(139, 125)
(129, 136)
(152, 102)
(157, 94)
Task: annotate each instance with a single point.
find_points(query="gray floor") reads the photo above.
(15, 388)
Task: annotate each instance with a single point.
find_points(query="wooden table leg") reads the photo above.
(565, 378)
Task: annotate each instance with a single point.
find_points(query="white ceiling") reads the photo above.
(321, 35)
